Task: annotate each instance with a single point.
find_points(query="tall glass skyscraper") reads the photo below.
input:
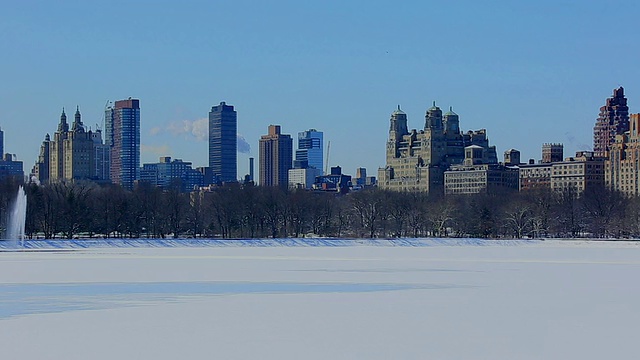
(310, 145)
(223, 142)
(122, 134)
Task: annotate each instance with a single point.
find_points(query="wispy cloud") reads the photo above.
(161, 150)
(198, 130)
(243, 145)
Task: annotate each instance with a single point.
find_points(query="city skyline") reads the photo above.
(522, 71)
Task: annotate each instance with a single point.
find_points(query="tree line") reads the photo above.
(79, 209)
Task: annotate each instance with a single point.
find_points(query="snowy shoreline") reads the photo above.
(61, 244)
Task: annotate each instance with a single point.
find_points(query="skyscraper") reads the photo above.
(223, 142)
(613, 120)
(102, 157)
(1, 143)
(122, 134)
(310, 146)
(276, 156)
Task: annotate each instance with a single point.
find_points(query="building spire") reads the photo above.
(63, 126)
(77, 122)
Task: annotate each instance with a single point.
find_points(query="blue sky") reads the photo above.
(528, 72)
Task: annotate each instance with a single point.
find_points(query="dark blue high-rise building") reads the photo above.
(122, 135)
(223, 142)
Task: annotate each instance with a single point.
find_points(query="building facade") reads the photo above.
(122, 135)
(102, 154)
(40, 170)
(622, 167)
(310, 149)
(335, 181)
(552, 153)
(535, 176)
(303, 178)
(169, 173)
(71, 153)
(276, 157)
(416, 160)
(9, 167)
(585, 170)
(223, 142)
(475, 176)
(613, 120)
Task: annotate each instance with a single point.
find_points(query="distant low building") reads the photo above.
(10, 168)
(585, 170)
(535, 176)
(361, 180)
(168, 173)
(336, 181)
(474, 176)
(303, 178)
(576, 173)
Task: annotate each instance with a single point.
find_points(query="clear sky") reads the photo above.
(528, 71)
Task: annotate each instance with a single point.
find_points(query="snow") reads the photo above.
(336, 299)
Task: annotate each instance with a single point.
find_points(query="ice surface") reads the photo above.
(355, 300)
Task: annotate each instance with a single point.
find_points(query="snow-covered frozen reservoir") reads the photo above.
(290, 299)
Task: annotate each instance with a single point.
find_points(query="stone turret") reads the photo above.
(63, 126)
(77, 122)
(451, 122)
(433, 118)
(398, 124)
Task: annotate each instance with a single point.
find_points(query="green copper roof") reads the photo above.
(450, 112)
(398, 111)
(434, 107)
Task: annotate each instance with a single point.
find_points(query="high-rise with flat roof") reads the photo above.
(223, 142)
(122, 134)
(276, 157)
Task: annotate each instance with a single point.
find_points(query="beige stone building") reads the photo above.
(622, 166)
(71, 151)
(474, 176)
(583, 171)
(535, 176)
(416, 160)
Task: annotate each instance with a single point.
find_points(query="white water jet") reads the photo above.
(17, 218)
